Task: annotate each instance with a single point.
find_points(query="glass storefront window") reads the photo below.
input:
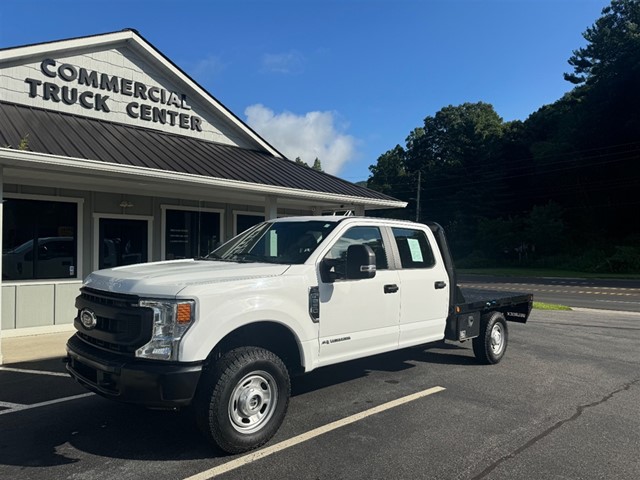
(244, 221)
(190, 234)
(39, 239)
(122, 242)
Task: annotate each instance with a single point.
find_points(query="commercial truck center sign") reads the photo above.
(152, 104)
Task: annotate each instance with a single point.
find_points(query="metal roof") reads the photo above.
(74, 136)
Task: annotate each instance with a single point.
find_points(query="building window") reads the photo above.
(244, 221)
(40, 239)
(122, 242)
(190, 234)
(414, 248)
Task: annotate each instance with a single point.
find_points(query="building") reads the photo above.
(110, 155)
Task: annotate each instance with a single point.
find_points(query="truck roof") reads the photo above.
(336, 218)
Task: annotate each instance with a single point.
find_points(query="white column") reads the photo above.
(1, 223)
(271, 208)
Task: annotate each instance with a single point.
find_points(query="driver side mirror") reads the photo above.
(361, 262)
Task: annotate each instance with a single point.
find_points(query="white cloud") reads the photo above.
(288, 63)
(309, 136)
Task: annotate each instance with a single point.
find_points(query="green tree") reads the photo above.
(456, 151)
(613, 45)
(317, 165)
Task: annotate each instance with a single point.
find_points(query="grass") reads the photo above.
(544, 272)
(549, 306)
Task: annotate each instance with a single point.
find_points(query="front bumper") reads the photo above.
(143, 382)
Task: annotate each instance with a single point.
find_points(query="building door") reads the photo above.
(122, 242)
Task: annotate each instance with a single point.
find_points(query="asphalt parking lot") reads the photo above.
(562, 404)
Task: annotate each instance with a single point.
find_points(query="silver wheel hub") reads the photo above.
(253, 402)
(497, 339)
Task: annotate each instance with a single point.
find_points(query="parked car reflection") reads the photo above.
(54, 257)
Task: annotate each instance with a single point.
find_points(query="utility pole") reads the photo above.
(418, 199)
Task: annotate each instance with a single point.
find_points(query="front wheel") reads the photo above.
(243, 401)
(490, 346)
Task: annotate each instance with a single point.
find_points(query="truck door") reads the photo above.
(425, 290)
(357, 317)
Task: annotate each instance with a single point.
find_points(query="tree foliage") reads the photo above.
(317, 164)
(613, 45)
(562, 182)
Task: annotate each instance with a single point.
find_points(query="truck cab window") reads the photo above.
(414, 248)
(336, 259)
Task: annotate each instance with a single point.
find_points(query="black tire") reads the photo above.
(243, 399)
(490, 346)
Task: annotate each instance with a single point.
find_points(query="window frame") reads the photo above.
(119, 216)
(251, 213)
(163, 223)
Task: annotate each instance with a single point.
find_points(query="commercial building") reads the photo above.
(111, 155)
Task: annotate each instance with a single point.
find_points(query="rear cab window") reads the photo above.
(414, 248)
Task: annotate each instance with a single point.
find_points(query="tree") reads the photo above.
(317, 165)
(389, 176)
(456, 152)
(614, 45)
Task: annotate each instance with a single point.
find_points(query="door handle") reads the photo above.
(392, 288)
(440, 285)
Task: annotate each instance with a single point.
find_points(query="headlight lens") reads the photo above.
(171, 319)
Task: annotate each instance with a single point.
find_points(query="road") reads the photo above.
(562, 404)
(621, 295)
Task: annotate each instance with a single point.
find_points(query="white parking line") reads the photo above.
(252, 457)
(35, 372)
(14, 407)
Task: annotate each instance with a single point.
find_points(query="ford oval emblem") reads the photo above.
(88, 319)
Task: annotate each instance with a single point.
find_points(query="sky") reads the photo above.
(340, 80)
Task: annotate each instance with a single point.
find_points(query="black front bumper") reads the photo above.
(148, 383)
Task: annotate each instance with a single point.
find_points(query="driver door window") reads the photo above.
(336, 259)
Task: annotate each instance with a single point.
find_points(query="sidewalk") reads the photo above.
(34, 347)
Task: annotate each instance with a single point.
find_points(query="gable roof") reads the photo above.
(132, 39)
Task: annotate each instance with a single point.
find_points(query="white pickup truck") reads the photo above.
(225, 333)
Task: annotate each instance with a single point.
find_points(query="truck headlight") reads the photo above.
(171, 319)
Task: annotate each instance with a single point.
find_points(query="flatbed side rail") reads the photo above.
(515, 308)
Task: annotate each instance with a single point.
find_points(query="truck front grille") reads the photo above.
(122, 326)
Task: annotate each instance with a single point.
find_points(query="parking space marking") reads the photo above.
(252, 457)
(35, 372)
(10, 405)
(20, 408)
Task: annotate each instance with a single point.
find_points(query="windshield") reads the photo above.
(279, 242)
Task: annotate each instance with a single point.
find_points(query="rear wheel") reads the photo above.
(490, 346)
(243, 401)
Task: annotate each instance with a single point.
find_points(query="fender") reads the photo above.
(282, 300)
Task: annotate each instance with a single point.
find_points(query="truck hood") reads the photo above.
(170, 277)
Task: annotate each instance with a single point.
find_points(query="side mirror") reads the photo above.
(361, 262)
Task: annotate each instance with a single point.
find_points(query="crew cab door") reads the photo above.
(425, 287)
(358, 317)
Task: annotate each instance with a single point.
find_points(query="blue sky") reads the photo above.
(341, 80)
